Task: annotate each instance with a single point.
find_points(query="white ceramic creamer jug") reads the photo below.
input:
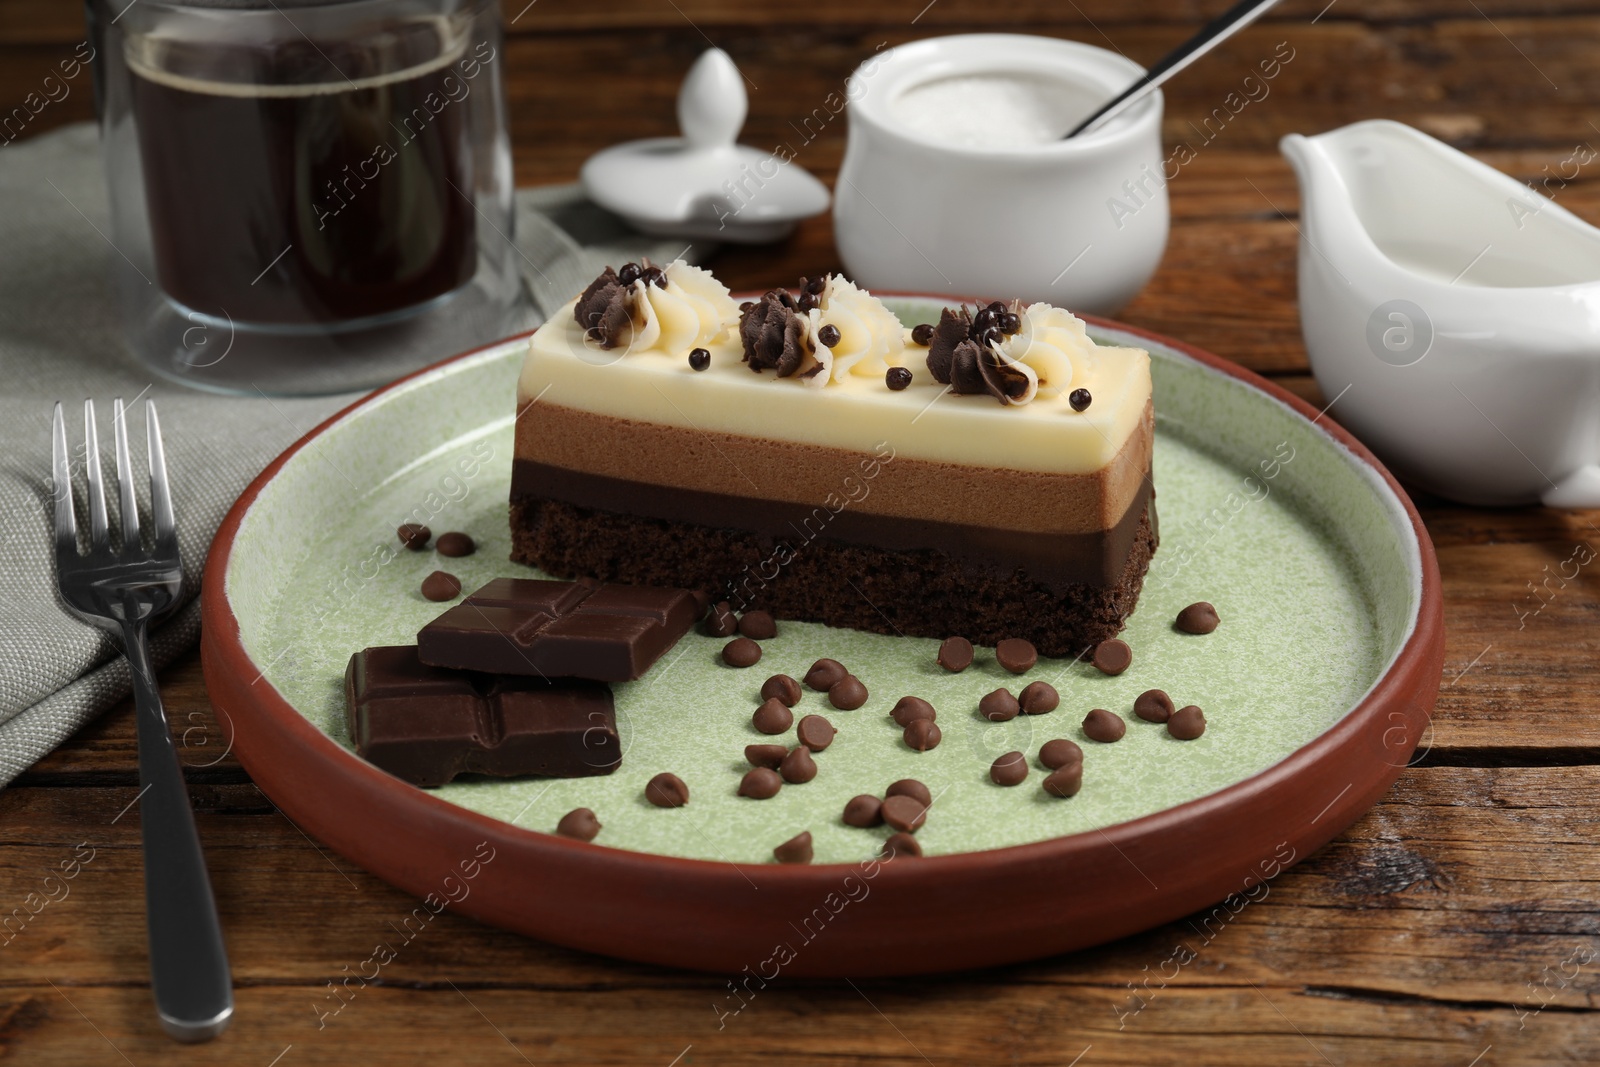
(1453, 315)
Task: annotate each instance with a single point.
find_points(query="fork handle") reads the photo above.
(188, 961)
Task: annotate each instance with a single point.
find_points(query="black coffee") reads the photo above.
(278, 201)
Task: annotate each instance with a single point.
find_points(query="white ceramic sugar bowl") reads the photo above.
(955, 179)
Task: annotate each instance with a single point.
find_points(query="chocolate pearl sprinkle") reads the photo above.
(795, 850)
(1113, 656)
(1038, 697)
(815, 732)
(741, 652)
(922, 735)
(781, 687)
(455, 544)
(1009, 769)
(1153, 705)
(1065, 782)
(760, 783)
(863, 811)
(922, 334)
(772, 717)
(910, 787)
(579, 824)
(1080, 399)
(1101, 725)
(828, 335)
(1187, 723)
(798, 766)
(666, 790)
(897, 378)
(699, 359)
(1197, 618)
(999, 706)
(414, 535)
(1060, 752)
(758, 625)
(825, 674)
(909, 709)
(441, 585)
(1016, 655)
(848, 693)
(901, 844)
(955, 654)
(722, 622)
(904, 813)
(768, 756)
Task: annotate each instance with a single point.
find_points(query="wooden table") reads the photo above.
(1457, 923)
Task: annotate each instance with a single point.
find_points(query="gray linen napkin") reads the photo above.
(60, 340)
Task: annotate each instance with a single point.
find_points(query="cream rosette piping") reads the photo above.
(693, 311)
(1053, 350)
(871, 338)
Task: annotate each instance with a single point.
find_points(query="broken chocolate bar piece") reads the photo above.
(427, 725)
(609, 633)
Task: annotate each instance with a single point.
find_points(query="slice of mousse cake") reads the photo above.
(987, 476)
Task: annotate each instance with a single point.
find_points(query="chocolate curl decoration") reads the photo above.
(605, 309)
(773, 333)
(968, 364)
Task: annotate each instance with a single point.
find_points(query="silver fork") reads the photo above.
(123, 591)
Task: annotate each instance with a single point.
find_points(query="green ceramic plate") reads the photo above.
(1307, 553)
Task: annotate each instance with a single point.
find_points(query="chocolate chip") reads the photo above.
(441, 585)
(795, 850)
(579, 823)
(772, 717)
(816, 285)
(910, 787)
(1198, 618)
(999, 706)
(1009, 769)
(699, 358)
(910, 709)
(828, 335)
(922, 735)
(897, 378)
(741, 652)
(1058, 753)
(758, 625)
(825, 674)
(1187, 723)
(904, 813)
(1113, 656)
(781, 687)
(1080, 399)
(1153, 705)
(414, 535)
(863, 811)
(666, 790)
(760, 783)
(455, 543)
(955, 654)
(721, 622)
(1016, 655)
(798, 766)
(654, 276)
(847, 694)
(1101, 725)
(982, 320)
(1066, 781)
(747, 305)
(1011, 322)
(765, 755)
(628, 274)
(1039, 697)
(900, 845)
(815, 732)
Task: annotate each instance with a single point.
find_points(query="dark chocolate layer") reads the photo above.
(1057, 561)
(917, 592)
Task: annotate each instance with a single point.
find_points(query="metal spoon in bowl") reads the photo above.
(1211, 34)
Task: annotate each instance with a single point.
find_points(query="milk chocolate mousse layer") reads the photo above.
(823, 494)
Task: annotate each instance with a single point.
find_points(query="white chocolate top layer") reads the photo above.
(854, 412)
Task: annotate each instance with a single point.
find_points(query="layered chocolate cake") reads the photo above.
(988, 475)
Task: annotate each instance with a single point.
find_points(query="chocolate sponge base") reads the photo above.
(921, 593)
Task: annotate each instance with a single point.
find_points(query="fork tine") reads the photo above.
(130, 506)
(160, 495)
(99, 528)
(61, 487)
